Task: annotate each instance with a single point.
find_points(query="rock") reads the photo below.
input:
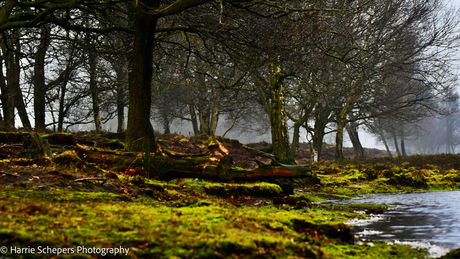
(35, 147)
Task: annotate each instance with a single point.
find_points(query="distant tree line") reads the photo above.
(293, 66)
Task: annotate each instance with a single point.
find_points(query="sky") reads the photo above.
(453, 2)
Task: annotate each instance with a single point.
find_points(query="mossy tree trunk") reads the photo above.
(278, 119)
(139, 134)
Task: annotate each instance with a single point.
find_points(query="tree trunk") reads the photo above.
(21, 107)
(214, 117)
(39, 79)
(403, 146)
(120, 107)
(193, 118)
(280, 138)
(352, 129)
(139, 134)
(15, 99)
(395, 139)
(4, 89)
(92, 59)
(322, 117)
(295, 139)
(296, 135)
(165, 120)
(317, 141)
(12, 79)
(62, 112)
(204, 116)
(341, 120)
(121, 69)
(385, 143)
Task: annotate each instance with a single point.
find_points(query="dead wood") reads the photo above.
(215, 164)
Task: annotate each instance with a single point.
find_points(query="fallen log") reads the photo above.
(215, 164)
(162, 164)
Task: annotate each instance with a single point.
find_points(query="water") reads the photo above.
(429, 220)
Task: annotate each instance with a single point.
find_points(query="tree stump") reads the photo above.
(35, 147)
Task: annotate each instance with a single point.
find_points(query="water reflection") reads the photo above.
(430, 218)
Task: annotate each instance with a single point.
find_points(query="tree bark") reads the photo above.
(403, 146)
(204, 116)
(339, 138)
(62, 111)
(295, 139)
(39, 79)
(12, 78)
(121, 68)
(385, 143)
(4, 89)
(21, 107)
(352, 129)
(296, 135)
(317, 141)
(139, 134)
(92, 60)
(322, 117)
(395, 139)
(166, 123)
(193, 118)
(13, 68)
(280, 138)
(214, 117)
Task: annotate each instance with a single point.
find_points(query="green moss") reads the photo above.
(252, 189)
(311, 197)
(206, 228)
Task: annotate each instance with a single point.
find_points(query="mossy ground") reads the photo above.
(41, 204)
(179, 221)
